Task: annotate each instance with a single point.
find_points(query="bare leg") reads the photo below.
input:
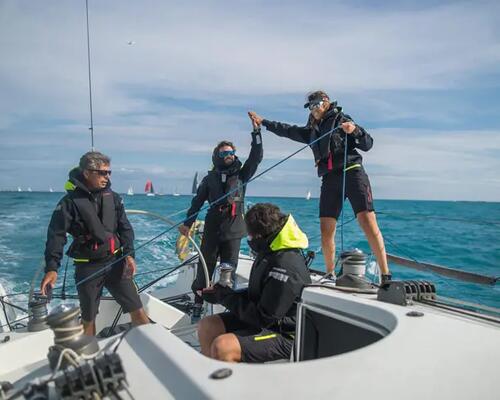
(88, 327)
(208, 329)
(368, 222)
(328, 226)
(139, 317)
(226, 348)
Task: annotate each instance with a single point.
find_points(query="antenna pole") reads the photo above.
(90, 79)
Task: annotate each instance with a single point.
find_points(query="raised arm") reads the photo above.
(254, 158)
(300, 134)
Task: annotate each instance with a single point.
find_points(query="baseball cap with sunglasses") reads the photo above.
(315, 99)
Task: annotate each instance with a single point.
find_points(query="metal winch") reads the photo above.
(352, 270)
(68, 334)
(37, 311)
(224, 275)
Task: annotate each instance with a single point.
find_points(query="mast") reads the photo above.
(90, 79)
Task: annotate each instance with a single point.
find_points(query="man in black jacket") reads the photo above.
(260, 324)
(326, 116)
(224, 225)
(95, 217)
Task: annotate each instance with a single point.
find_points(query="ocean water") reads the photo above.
(462, 235)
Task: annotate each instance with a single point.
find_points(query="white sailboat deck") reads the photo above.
(441, 354)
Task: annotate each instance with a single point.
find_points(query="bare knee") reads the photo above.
(210, 327)
(367, 220)
(328, 226)
(226, 348)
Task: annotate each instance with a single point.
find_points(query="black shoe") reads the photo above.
(385, 279)
(196, 312)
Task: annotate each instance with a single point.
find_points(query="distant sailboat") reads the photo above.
(130, 191)
(175, 193)
(51, 190)
(149, 188)
(19, 189)
(194, 188)
(308, 195)
(29, 189)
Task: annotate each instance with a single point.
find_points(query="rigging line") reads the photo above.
(14, 322)
(343, 194)
(429, 271)
(147, 286)
(314, 237)
(13, 305)
(63, 291)
(110, 265)
(90, 77)
(188, 261)
(4, 308)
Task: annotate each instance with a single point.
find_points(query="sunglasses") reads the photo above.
(224, 154)
(313, 106)
(101, 172)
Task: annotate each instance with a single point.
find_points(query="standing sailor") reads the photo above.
(94, 215)
(224, 225)
(329, 157)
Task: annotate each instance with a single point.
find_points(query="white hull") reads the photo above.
(440, 355)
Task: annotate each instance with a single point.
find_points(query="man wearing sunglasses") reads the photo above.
(326, 116)
(102, 235)
(224, 224)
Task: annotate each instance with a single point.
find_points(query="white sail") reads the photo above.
(130, 191)
(308, 195)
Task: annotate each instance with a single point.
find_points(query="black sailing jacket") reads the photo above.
(72, 214)
(275, 285)
(331, 146)
(225, 218)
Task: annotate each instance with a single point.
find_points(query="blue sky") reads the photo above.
(422, 77)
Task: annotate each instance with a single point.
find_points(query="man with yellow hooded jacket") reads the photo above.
(260, 322)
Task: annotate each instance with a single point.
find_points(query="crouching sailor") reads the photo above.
(260, 323)
(95, 217)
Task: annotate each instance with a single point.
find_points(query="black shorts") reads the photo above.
(357, 190)
(123, 290)
(258, 345)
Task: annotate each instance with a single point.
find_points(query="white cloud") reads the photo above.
(233, 57)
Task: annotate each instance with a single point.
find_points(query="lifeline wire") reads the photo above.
(343, 195)
(107, 267)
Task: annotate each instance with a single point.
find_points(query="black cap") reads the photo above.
(315, 97)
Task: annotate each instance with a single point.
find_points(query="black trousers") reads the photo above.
(211, 248)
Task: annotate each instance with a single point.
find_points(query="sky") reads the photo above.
(171, 79)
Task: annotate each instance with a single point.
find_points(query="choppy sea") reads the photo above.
(461, 235)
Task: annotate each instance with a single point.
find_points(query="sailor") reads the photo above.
(95, 217)
(260, 324)
(328, 152)
(224, 225)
